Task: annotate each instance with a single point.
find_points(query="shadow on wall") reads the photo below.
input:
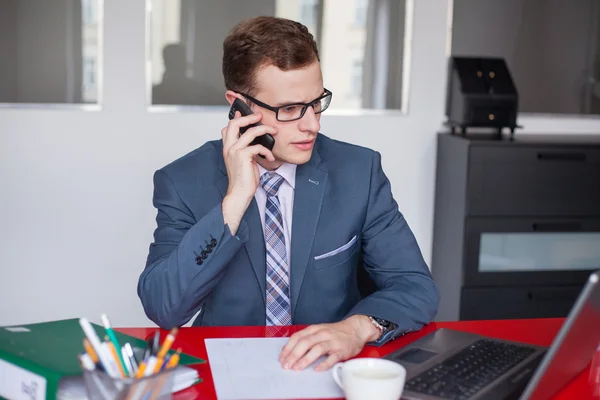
(176, 88)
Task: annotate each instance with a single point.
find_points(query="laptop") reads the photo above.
(451, 364)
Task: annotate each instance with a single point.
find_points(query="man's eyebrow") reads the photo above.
(287, 103)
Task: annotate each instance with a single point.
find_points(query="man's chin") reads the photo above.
(296, 158)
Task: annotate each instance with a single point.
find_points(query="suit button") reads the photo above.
(204, 256)
(199, 260)
(213, 242)
(203, 253)
(208, 249)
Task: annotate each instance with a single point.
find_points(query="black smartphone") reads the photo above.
(266, 140)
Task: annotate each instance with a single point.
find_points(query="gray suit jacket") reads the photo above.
(344, 215)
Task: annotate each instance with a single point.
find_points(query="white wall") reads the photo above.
(75, 187)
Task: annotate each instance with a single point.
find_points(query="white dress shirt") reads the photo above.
(286, 201)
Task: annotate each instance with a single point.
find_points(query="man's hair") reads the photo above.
(263, 41)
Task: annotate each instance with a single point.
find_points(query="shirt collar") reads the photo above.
(286, 170)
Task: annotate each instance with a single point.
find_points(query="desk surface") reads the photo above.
(533, 331)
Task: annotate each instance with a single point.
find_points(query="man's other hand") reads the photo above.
(338, 341)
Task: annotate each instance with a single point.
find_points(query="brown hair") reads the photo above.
(262, 41)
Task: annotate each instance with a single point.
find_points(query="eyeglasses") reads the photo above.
(294, 111)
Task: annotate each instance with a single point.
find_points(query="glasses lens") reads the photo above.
(290, 113)
(294, 112)
(322, 104)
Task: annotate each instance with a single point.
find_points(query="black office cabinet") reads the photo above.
(516, 224)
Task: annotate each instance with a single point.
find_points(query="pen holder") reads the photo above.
(100, 386)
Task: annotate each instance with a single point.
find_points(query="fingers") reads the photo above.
(313, 354)
(262, 150)
(294, 340)
(328, 362)
(251, 134)
(231, 132)
(304, 345)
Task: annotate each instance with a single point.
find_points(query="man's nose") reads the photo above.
(309, 121)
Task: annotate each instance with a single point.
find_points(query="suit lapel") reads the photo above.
(255, 247)
(308, 199)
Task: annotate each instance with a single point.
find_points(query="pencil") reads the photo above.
(167, 343)
(115, 355)
(90, 350)
(141, 370)
(174, 360)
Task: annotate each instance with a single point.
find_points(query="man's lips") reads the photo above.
(304, 144)
(304, 141)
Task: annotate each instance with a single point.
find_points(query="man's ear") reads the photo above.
(230, 95)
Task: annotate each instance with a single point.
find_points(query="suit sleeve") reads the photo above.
(407, 294)
(174, 284)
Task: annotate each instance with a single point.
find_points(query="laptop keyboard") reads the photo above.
(470, 370)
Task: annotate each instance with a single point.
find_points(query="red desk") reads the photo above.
(533, 331)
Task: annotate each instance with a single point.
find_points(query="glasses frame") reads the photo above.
(327, 93)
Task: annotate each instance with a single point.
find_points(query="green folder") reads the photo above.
(50, 350)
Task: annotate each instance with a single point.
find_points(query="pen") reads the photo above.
(148, 349)
(115, 343)
(156, 342)
(114, 357)
(90, 333)
(174, 360)
(127, 362)
(165, 362)
(150, 365)
(164, 349)
(129, 352)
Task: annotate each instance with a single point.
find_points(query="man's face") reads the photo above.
(294, 140)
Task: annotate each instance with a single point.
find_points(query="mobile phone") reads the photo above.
(265, 140)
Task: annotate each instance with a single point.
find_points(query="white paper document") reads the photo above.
(249, 369)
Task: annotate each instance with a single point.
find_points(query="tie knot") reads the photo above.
(271, 181)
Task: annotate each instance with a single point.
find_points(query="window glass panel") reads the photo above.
(361, 44)
(308, 14)
(552, 48)
(49, 51)
(508, 252)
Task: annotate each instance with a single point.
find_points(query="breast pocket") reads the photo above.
(338, 255)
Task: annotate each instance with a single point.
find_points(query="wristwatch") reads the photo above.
(381, 324)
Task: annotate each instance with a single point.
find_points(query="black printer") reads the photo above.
(481, 93)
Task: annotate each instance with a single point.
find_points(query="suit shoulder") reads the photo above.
(332, 150)
(204, 158)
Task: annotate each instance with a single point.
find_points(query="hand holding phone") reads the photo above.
(265, 140)
(239, 154)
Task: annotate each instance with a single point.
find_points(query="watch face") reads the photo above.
(382, 322)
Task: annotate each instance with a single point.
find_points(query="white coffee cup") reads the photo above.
(370, 378)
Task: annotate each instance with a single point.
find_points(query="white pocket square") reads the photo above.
(338, 250)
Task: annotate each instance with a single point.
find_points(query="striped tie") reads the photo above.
(278, 275)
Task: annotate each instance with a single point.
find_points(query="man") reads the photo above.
(325, 207)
